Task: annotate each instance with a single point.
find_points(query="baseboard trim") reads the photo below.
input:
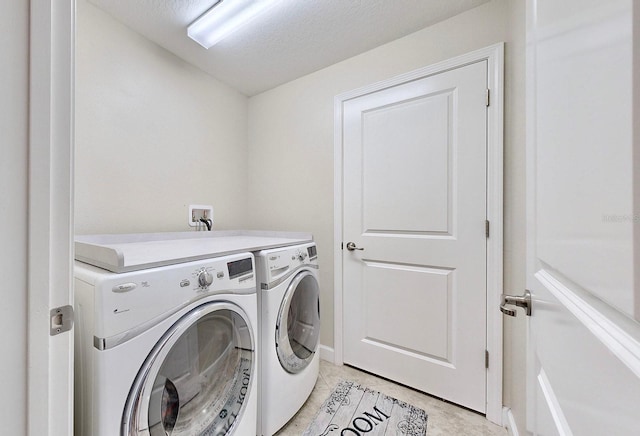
(509, 422)
(327, 353)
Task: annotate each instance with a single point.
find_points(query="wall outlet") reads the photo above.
(197, 211)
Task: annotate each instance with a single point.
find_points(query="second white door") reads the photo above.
(414, 188)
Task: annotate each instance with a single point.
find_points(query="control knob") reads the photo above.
(205, 279)
(301, 255)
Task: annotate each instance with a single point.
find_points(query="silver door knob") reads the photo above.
(523, 301)
(352, 246)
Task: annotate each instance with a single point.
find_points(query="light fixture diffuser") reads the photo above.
(224, 18)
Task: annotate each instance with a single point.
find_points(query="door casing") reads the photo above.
(494, 55)
(50, 215)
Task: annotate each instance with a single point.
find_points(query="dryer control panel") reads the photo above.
(278, 262)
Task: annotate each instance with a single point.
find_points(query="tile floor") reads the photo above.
(444, 418)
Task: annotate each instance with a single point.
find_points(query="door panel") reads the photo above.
(583, 117)
(390, 204)
(583, 344)
(579, 378)
(415, 201)
(421, 311)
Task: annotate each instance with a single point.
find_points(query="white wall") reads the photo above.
(14, 22)
(291, 148)
(153, 135)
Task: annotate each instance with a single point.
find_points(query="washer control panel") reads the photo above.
(126, 300)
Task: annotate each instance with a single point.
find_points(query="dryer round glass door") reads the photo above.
(196, 379)
(298, 323)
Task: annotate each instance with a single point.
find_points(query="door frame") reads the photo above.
(494, 55)
(50, 215)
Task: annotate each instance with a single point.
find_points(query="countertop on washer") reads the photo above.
(130, 252)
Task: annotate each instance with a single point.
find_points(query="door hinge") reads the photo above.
(488, 96)
(486, 359)
(486, 228)
(60, 320)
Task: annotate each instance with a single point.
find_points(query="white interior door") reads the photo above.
(414, 186)
(584, 337)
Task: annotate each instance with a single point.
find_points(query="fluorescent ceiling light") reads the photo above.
(224, 18)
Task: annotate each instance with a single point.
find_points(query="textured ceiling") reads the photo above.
(290, 40)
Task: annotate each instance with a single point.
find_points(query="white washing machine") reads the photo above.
(169, 350)
(289, 312)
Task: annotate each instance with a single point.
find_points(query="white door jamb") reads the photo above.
(50, 252)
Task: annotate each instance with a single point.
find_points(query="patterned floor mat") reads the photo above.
(353, 410)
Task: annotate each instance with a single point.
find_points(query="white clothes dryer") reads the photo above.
(289, 312)
(169, 350)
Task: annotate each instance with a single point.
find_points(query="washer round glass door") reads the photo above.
(197, 377)
(298, 323)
